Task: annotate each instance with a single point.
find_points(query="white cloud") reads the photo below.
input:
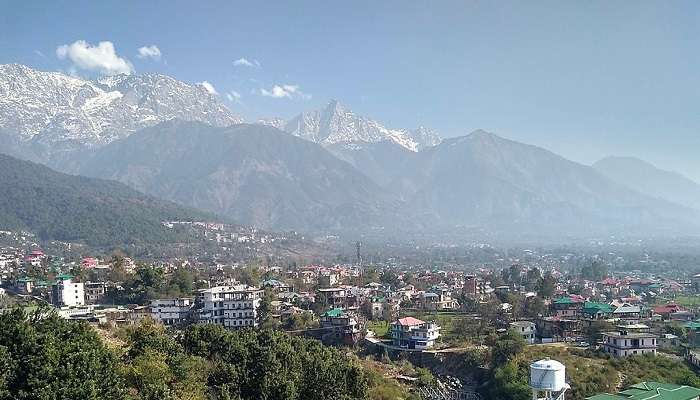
(233, 96)
(284, 91)
(209, 87)
(244, 62)
(39, 53)
(102, 58)
(151, 51)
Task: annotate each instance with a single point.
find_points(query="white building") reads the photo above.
(171, 312)
(627, 342)
(66, 293)
(413, 333)
(230, 306)
(526, 329)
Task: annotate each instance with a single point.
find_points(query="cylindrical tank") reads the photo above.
(547, 375)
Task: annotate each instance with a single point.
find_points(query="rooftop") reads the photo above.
(652, 390)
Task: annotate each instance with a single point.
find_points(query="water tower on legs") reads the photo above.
(548, 380)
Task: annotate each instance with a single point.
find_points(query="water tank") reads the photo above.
(548, 375)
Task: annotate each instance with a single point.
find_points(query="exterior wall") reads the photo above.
(94, 292)
(420, 337)
(623, 345)
(527, 332)
(67, 293)
(233, 307)
(171, 311)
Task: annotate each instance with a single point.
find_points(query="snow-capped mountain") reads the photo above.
(336, 124)
(65, 112)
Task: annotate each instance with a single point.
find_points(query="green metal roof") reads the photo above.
(652, 390)
(334, 312)
(591, 307)
(64, 277)
(564, 300)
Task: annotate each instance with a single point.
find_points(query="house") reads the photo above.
(412, 333)
(628, 311)
(594, 310)
(172, 312)
(95, 292)
(232, 307)
(332, 297)
(669, 340)
(652, 390)
(276, 285)
(526, 329)
(437, 299)
(666, 310)
(558, 329)
(328, 280)
(66, 293)
(341, 326)
(568, 306)
(629, 341)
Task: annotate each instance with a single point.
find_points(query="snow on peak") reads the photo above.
(337, 124)
(53, 108)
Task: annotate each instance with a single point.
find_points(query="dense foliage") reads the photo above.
(45, 357)
(77, 209)
(49, 358)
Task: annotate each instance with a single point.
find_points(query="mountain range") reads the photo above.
(329, 170)
(336, 124)
(650, 180)
(52, 112)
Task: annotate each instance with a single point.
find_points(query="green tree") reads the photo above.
(46, 357)
(506, 347)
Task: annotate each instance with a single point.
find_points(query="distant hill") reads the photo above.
(70, 208)
(485, 180)
(255, 174)
(650, 180)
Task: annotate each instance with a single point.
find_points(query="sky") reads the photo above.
(585, 79)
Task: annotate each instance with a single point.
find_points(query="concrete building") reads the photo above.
(341, 326)
(66, 293)
(328, 280)
(526, 329)
(626, 342)
(233, 307)
(332, 297)
(95, 292)
(413, 333)
(171, 312)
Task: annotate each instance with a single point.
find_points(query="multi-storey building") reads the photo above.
(230, 306)
(95, 292)
(66, 293)
(626, 342)
(413, 333)
(332, 297)
(526, 329)
(341, 326)
(172, 311)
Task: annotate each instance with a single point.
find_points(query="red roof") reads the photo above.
(668, 308)
(409, 321)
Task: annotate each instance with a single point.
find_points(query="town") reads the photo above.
(412, 315)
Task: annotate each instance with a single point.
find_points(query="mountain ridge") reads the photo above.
(61, 112)
(58, 206)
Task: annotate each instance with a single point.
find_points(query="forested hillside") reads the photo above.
(63, 207)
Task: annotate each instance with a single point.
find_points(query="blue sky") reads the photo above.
(585, 79)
